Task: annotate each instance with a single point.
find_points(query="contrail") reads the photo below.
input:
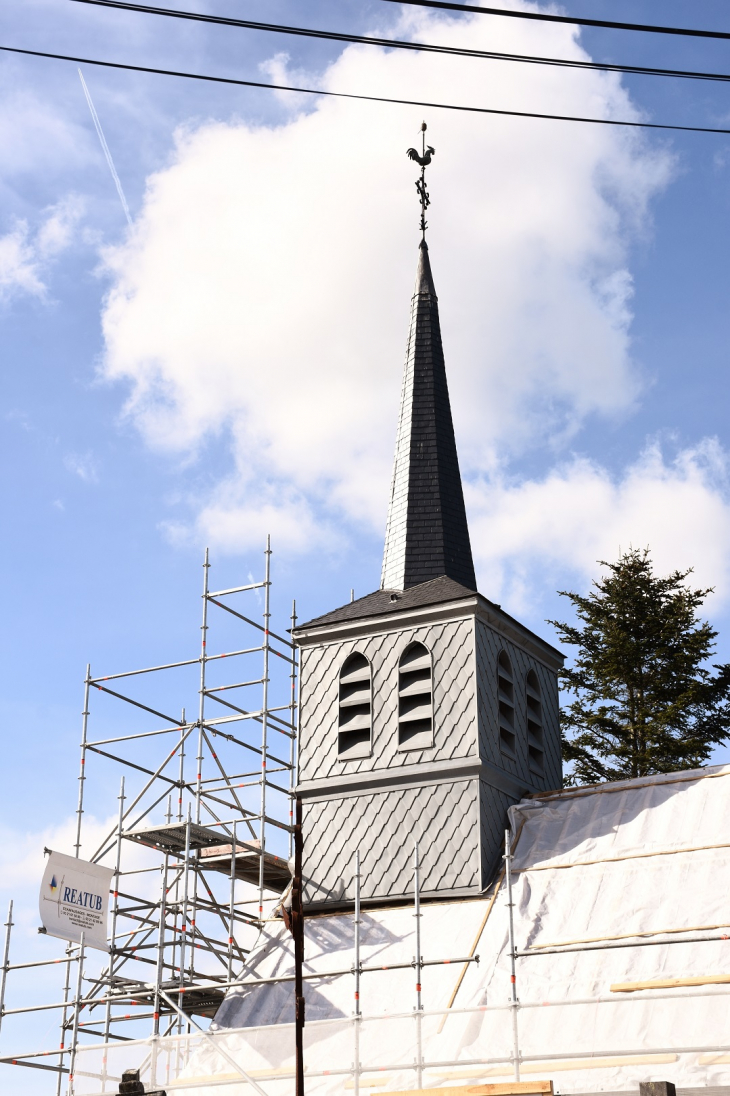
(105, 148)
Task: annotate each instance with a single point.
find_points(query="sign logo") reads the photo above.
(53, 885)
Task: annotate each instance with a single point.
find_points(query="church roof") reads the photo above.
(620, 925)
(438, 591)
(427, 534)
(434, 592)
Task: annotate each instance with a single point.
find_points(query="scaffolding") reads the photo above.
(201, 849)
(396, 1050)
(415, 1049)
(202, 838)
(399, 1050)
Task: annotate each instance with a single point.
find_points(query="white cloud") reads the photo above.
(18, 266)
(82, 465)
(35, 132)
(240, 514)
(18, 417)
(529, 536)
(21, 852)
(25, 256)
(22, 863)
(264, 290)
(279, 71)
(56, 232)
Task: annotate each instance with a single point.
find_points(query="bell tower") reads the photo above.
(425, 710)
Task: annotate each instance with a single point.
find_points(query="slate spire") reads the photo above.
(427, 534)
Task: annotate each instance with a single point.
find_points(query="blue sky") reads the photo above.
(230, 365)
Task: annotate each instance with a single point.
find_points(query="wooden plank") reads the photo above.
(516, 1088)
(671, 983)
(639, 934)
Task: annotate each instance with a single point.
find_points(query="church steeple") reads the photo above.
(425, 711)
(427, 533)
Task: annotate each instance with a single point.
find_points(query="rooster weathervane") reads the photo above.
(424, 159)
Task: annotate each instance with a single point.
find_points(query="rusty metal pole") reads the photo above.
(298, 933)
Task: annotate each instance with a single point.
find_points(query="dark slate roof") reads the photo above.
(434, 592)
(427, 534)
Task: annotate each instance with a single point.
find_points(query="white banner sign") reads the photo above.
(74, 899)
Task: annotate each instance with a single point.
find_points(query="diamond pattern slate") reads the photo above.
(493, 822)
(443, 818)
(455, 724)
(488, 645)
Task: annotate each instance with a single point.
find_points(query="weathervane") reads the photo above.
(424, 159)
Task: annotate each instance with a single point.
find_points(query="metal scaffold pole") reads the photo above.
(293, 710)
(159, 970)
(201, 706)
(192, 913)
(64, 1017)
(418, 963)
(184, 917)
(115, 914)
(233, 822)
(176, 926)
(297, 911)
(6, 959)
(357, 970)
(181, 773)
(77, 1010)
(357, 919)
(264, 724)
(232, 907)
(514, 1001)
(82, 767)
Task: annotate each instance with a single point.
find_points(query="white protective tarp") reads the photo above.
(641, 866)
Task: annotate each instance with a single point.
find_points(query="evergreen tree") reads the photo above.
(645, 701)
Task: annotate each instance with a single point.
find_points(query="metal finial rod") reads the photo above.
(424, 159)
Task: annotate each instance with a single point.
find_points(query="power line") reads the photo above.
(395, 43)
(649, 28)
(361, 98)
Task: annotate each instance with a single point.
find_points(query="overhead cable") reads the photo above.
(395, 43)
(361, 98)
(544, 17)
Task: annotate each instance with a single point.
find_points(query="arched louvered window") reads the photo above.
(535, 746)
(355, 721)
(415, 698)
(506, 699)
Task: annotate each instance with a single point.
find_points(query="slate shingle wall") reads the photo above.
(488, 645)
(451, 644)
(461, 821)
(493, 822)
(443, 818)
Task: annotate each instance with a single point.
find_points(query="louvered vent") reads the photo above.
(415, 698)
(506, 697)
(535, 746)
(355, 708)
